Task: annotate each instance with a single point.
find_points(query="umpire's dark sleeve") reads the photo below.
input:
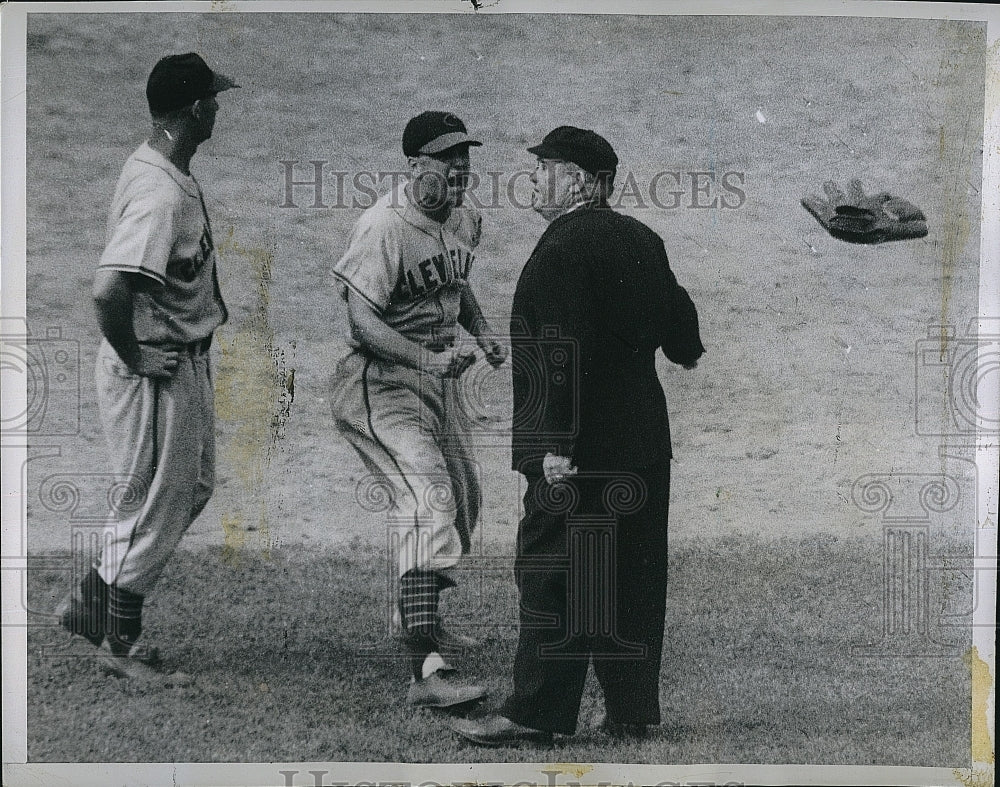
(681, 339)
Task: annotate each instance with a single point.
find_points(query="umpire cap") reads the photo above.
(583, 147)
(179, 80)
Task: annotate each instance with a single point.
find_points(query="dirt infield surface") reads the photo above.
(820, 375)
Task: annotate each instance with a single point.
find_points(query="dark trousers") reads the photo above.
(591, 570)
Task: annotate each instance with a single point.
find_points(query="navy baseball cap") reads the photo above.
(179, 80)
(430, 133)
(583, 147)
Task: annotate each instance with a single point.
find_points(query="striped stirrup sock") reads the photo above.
(124, 619)
(419, 593)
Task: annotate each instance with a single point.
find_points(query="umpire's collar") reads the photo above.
(576, 212)
(147, 155)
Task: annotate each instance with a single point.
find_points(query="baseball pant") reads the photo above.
(591, 570)
(407, 428)
(161, 435)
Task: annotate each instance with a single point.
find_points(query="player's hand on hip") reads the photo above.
(557, 468)
(496, 353)
(158, 361)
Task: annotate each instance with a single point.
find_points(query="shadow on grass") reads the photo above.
(294, 661)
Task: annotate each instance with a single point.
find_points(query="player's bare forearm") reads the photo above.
(470, 317)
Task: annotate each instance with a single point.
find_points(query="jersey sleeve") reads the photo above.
(140, 240)
(370, 266)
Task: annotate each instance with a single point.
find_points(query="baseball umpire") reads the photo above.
(404, 278)
(158, 303)
(595, 450)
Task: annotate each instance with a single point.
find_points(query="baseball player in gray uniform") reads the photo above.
(158, 303)
(404, 278)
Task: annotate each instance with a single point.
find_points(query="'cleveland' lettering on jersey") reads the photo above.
(418, 279)
(187, 270)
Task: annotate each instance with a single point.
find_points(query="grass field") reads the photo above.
(811, 379)
(757, 667)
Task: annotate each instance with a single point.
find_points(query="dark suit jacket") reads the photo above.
(592, 305)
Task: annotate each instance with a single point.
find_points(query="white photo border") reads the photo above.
(13, 25)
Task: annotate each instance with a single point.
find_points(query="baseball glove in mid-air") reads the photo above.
(857, 218)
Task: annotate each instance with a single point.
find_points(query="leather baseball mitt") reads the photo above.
(858, 218)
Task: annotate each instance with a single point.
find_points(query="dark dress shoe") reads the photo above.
(498, 730)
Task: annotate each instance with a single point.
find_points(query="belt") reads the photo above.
(199, 346)
(434, 348)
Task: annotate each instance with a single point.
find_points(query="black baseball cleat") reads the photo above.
(75, 618)
(140, 666)
(436, 692)
(496, 730)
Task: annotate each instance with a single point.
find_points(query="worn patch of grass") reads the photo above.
(292, 664)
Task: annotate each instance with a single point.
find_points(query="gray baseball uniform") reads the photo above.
(405, 423)
(160, 431)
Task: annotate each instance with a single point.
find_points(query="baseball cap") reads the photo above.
(583, 147)
(430, 133)
(179, 80)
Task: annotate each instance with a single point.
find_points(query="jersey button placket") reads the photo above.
(444, 285)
